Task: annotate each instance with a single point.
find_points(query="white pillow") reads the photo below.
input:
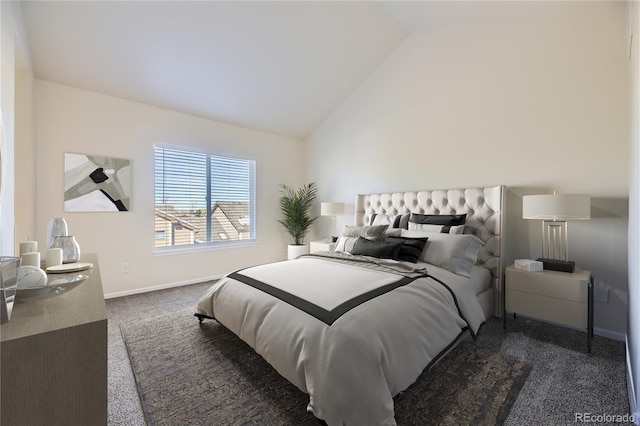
(345, 244)
(455, 229)
(454, 252)
(394, 221)
(380, 219)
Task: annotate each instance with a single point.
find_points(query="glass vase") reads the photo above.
(69, 246)
(57, 228)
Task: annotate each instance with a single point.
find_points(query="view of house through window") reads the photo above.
(202, 198)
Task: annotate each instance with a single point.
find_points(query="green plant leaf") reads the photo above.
(296, 210)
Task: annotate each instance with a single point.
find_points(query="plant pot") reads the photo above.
(294, 250)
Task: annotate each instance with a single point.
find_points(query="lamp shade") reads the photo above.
(557, 207)
(331, 209)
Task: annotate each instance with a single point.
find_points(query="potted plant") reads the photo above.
(297, 220)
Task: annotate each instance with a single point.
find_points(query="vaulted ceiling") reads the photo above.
(279, 66)
(276, 66)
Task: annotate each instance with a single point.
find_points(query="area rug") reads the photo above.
(202, 374)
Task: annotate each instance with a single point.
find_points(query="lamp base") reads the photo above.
(558, 265)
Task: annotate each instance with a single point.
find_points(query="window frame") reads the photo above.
(216, 244)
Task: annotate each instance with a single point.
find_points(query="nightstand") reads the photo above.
(315, 246)
(559, 297)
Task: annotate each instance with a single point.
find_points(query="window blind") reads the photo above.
(202, 198)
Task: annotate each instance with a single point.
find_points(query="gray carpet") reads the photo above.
(204, 375)
(563, 380)
(124, 407)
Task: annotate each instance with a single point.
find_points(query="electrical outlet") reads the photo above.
(601, 294)
(124, 268)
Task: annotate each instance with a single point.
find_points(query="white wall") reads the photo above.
(7, 67)
(633, 323)
(536, 105)
(73, 120)
(25, 153)
(15, 105)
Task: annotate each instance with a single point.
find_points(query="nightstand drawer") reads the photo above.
(316, 246)
(553, 284)
(559, 297)
(552, 309)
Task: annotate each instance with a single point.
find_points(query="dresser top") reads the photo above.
(81, 305)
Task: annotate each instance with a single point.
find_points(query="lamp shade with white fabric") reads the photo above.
(331, 209)
(557, 207)
(555, 210)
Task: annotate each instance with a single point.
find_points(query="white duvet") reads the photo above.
(353, 365)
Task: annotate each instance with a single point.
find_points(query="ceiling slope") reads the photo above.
(280, 67)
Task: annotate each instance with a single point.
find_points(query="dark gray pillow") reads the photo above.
(411, 248)
(439, 219)
(381, 249)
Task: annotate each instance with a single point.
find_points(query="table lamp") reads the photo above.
(331, 209)
(555, 210)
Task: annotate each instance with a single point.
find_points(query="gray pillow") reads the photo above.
(375, 233)
(350, 234)
(454, 252)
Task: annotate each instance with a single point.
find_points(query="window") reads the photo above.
(202, 199)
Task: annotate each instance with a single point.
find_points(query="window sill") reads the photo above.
(167, 251)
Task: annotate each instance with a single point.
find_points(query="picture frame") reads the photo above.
(94, 183)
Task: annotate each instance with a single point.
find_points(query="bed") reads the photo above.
(355, 327)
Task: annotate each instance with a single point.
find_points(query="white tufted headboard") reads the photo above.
(485, 209)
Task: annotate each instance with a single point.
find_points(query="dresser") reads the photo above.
(53, 362)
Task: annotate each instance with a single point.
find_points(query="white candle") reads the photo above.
(28, 247)
(30, 259)
(53, 257)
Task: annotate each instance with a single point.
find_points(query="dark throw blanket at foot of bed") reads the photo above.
(202, 374)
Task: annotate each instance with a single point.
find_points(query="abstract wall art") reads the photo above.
(96, 184)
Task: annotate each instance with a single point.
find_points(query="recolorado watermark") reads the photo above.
(603, 418)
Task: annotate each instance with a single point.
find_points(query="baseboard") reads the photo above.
(633, 405)
(603, 332)
(160, 287)
(615, 335)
